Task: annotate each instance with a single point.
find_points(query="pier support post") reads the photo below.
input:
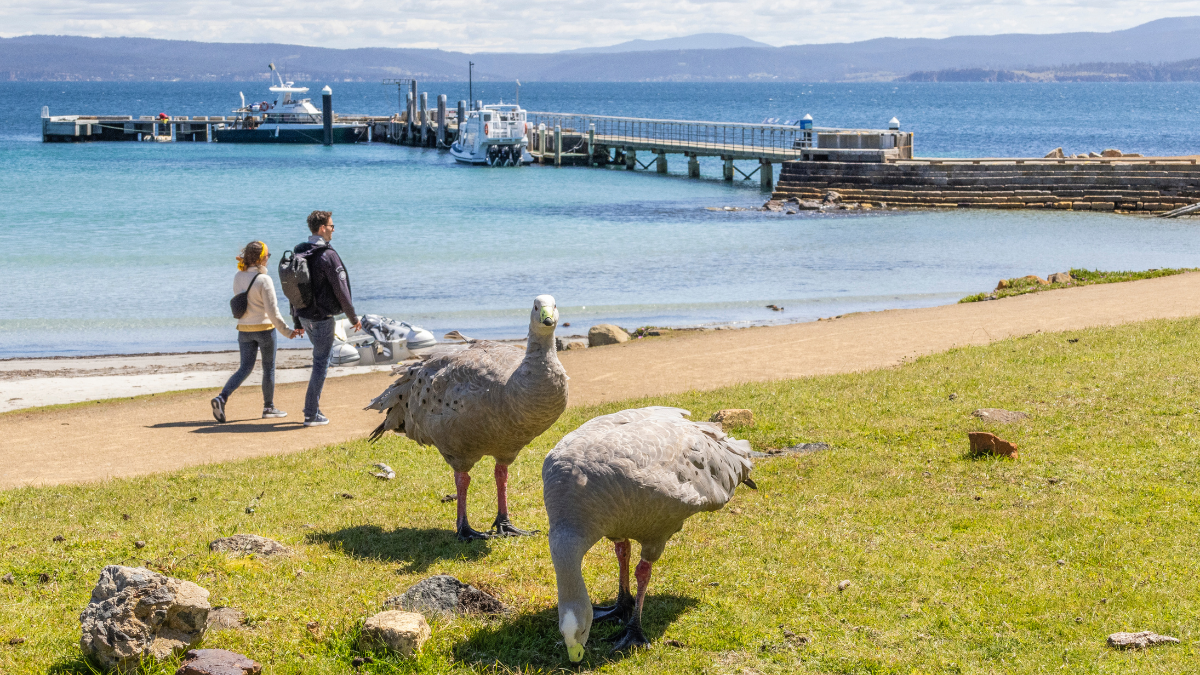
(630, 159)
(462, 117)
(662, 161)
(557, 145)
(326, 114)
(591, 144)
(766, 175)
(693, 166)
(441, 120)
(426, 127)
(409, 112)
(727, 170)
(208, 132)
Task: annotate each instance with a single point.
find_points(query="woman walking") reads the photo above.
(256, 328)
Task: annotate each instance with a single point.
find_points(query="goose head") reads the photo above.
(544, 317)
(575, 623)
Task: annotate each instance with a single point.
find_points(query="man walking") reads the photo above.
(331, 296)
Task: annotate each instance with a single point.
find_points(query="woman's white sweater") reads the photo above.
(262, 309)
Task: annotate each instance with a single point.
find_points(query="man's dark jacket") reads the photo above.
(330, 287)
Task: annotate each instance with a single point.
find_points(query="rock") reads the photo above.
(1059, 278)
(1140, 640)
(135, 614)
(606, 334)
(832, 197)
(984, 443)
(1035, 278)
(773, 205)
(16, 641)
(1111, 152)
(843, 584)
(1002, 285)
(443, 595)
(1056, 153)
(1093, 155)
(217, 662)
(139, 544)
(401, 632)
(248, 544)
(8, 578)
(733, 417)
(225, 618)
(999, 415)
(809, 205)
(564, 346)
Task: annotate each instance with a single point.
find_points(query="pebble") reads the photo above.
(843, 584)
(16, 641)
(139, 544)
(7, 578)
(59, 537)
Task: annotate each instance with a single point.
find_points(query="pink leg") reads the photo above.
(623, 548)
(502, 527)
(623, 608)
(633, 636)
(462, 480)
(642, 574)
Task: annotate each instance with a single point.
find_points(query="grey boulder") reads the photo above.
(606, 334)
(248, 544)
(217, 662)
(442, 596)
(1140, 640)
(136, 614)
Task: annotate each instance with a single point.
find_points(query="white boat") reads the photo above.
(495, 135)
(284, 120)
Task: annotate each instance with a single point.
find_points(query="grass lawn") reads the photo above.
(957, 565)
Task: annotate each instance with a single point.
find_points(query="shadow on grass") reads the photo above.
(416, 548)
(532, 641)
(231, 427)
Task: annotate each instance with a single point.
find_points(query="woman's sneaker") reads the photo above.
(218, 405)
(272, 411)
(316, 420)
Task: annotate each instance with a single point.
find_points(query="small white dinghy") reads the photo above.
(381, 341)
(495, 135)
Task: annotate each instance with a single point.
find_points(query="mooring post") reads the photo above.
(591, 143)
(766, 175)
(727, 170)
(630, 159)
(693, 166)
(557, 145)
(327, 113)
(541, 143)
(441, 120)
(426, 128)
(462, 118)
(408, 122)
(662, 161)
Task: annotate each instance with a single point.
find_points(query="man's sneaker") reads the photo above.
(316, 420)
(272, 411)
(218, 405)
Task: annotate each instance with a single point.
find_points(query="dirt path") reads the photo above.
(170, 431)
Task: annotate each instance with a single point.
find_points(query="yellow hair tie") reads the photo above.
(242, 265)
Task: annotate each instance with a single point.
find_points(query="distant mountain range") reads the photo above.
(1134, 54)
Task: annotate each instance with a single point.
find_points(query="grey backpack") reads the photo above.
(295, 278)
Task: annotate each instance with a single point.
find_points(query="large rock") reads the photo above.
(401, 632)
(226, 618)
(999, 415)
(249, 544)
(733, 417)
(606, 334)
(1059, 278)
(1140, 640)
(1056, 153)
(1112, 152)
(443, 595)
(217, 662)
(136, 614)
(984, 443)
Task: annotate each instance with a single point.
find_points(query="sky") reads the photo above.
(539, 26)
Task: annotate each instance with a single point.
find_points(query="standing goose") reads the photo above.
(488, 399)
(635, 474)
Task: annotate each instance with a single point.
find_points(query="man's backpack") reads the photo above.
(239, 303)
(295, 278)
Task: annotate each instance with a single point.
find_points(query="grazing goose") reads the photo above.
(632, 475)
(488, 399)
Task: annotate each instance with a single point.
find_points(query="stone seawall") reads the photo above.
(1111, 185)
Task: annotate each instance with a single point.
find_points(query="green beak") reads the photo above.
(575, 651)
(547, 316)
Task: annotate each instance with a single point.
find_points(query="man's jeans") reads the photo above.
(320, 334)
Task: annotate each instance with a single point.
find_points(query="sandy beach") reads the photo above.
(171, 430)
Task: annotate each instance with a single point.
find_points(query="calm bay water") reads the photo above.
(128, 247)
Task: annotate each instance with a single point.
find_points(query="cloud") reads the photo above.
(539, 26)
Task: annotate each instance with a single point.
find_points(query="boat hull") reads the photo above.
(493, 154)
(290, 133)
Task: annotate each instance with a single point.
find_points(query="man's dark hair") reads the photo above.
(318, 219)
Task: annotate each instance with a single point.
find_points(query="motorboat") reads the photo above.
(284, 119)
(493, 135)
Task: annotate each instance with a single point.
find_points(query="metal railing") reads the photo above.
(681, 135)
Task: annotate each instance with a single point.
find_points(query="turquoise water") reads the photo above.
(128, 247)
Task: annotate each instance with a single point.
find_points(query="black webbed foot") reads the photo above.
(502, 527)
(467, 533)
(630, 638)
(619, 612)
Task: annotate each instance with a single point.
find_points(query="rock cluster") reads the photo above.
(999, 415)
(606, 334)
(443, 595)
(248, 544)
(401, 632)
(136, 614)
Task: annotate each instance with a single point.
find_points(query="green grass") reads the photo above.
(954, 562)
(1079, 277)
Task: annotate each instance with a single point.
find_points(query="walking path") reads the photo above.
(175, 430)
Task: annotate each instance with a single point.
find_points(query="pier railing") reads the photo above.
(703, 138)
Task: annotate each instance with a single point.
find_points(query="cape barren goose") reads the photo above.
(632, 475)
(488, 399)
